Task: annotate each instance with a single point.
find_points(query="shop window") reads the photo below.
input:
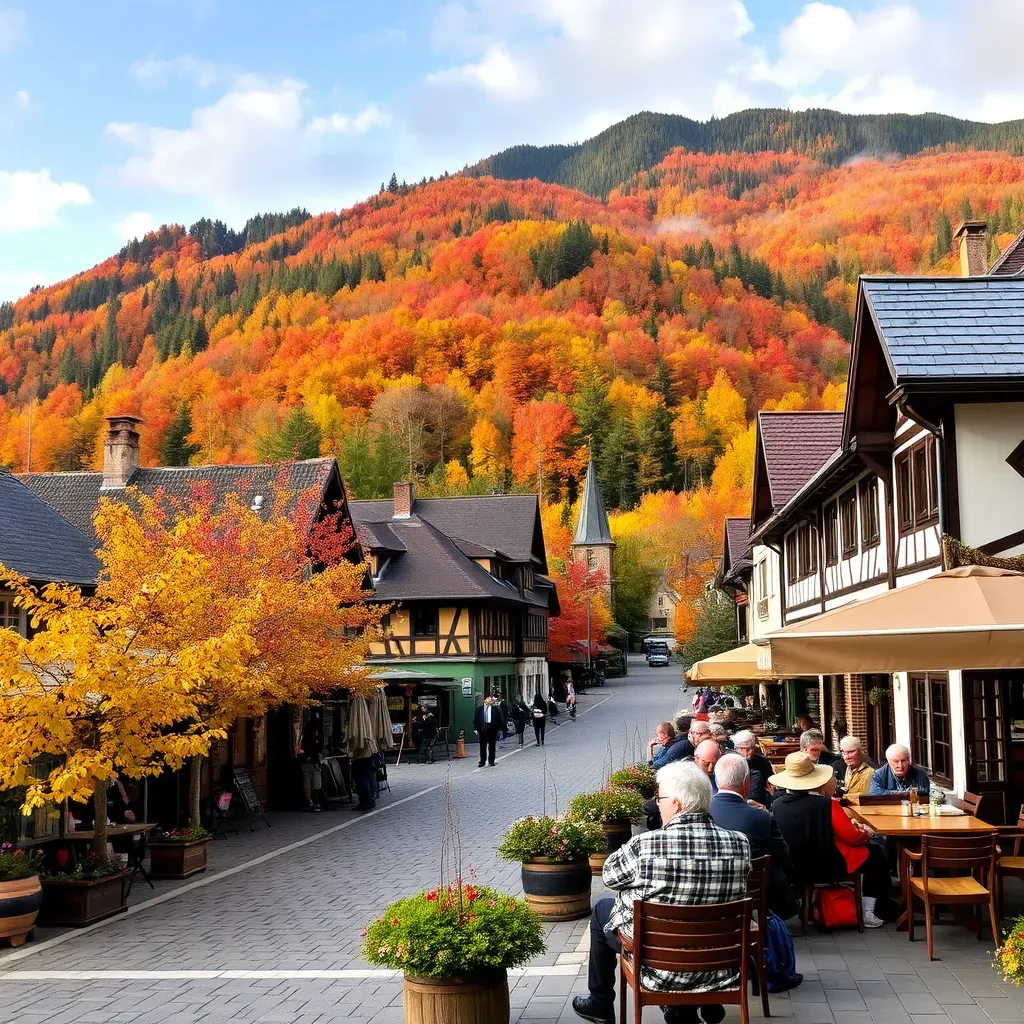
(848, 519)
(930, 732)
(869, 532)
(832, 533)
(424, 621)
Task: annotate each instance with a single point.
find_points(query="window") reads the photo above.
(661, 601)
(659, 623)
(762, 578)
(792, 569)
(930, 732)
(10, 614)
(917, 488)
(848, 519)
(424, 621)
(869, 511)
(831, 533)
(494, 623)
(590, 559)
(801, 553)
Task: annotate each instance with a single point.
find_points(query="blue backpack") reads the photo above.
(779, 954)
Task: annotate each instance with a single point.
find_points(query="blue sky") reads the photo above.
(119, 115)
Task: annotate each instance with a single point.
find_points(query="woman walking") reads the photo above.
(540, 717)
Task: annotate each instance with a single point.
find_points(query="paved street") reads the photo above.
(271, 932)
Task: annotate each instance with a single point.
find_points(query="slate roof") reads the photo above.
(737, 538)
(36, 542)
(955, 327)
(1011, 260)
(505, 522)
(75, 495)
(796, 445)
(592, 525)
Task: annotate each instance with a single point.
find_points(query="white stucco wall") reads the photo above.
(758, 626)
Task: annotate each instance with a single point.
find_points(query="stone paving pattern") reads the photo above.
(304, 909)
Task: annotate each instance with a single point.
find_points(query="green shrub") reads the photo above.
(616, 805)
(558, 839)
(16, 864)
(88, 869)
(641, 778)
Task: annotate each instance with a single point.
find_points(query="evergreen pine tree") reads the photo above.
(617, 466)
(298, 438)
(175, 448)
(593, 413)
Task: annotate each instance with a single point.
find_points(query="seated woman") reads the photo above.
(824, 844)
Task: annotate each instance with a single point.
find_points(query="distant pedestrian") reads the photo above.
(521, 716)
(540, 718)
(311, 747)
(488, 723)
(570, 699)
(506, 719)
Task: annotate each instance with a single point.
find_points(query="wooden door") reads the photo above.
(985, 735)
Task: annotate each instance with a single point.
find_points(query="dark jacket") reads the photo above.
(761, 771)
(678, 750)
(805, 820)
(497, 718)
(731, 811)
(883, 781)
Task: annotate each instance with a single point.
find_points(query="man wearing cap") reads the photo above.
(824, 843)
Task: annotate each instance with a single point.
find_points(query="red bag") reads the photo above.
(835, 907)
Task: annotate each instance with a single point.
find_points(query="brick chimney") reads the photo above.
(403, 500)
(120, 450)
(971, 239)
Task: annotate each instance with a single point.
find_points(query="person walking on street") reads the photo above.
(488, 723)
(310, 748)
(521, 716)
(570, 699)
(540, 718)
(506, 719)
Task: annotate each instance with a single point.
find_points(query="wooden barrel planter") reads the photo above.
(557, 891)
(78, 903)
(176, 859)
(617, 833)
(20, 901)
(596, 861)
(480, 998)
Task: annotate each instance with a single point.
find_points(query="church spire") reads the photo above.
(592, 525)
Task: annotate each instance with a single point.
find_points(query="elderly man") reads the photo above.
(856, 779)
(664, 737)
(684, 745)
(760, 767)
(690, 861)
(812, 743)
(705, 757)
(731, 810)
(898, 775)
(721, 736)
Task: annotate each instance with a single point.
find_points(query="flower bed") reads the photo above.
(616, 806)
(1010, 955)
(557, 839)
(640, 778)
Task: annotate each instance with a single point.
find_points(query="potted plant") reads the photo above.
(553, 853)
(93, 889)
(455, 945)
(1010, 955)
(641, 778)
(178, 852)
(878, 696)
(614, 810)
(20, 893)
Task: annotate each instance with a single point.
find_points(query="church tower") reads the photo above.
(593, 539)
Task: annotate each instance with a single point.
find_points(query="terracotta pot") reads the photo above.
(20, 901)
(78, 903)
(176, 859)
(557, 891)
(480, 998)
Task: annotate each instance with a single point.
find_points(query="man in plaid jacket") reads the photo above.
(691, 860)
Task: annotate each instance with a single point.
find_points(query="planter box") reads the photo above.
(19, 905)
(474, 999)
(175, 859)
(75, 904)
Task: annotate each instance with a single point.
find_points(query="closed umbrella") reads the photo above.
(737, 667)
(360, 734)
(966, 618)
(380, 718)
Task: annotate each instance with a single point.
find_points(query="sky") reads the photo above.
(120, 115)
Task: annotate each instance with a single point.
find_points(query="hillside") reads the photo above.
(598, 165)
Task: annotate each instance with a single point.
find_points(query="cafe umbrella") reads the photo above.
(380, 719)
(736, 667)
(361, 735)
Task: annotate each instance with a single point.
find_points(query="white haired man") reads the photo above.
(760, 767)
(691, 860)
(898, 775)
(856, 779)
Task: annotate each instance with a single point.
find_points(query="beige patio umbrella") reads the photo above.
(360, 730)
(380, 718)
(966, 618)
(737, 667)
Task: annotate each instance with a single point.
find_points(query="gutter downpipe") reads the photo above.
(939, 433)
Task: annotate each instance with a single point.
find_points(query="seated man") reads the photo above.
(705, 757)
(684, 744)
(760, 767)
(721, 736)
(812, 743)
(730, 809)
(664, 737)
(689, 861)
(856, 778)
(898, 775)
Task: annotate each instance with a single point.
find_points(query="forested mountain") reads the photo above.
(599, 164)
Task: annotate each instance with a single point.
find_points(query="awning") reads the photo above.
(738, 667)
(966, 618)
(387, 676)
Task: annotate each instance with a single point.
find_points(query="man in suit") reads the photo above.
(488, 722)
(730, 809)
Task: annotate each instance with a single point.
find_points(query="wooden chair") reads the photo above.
(688, 939)
(757, 891)
(969, 803)
(974, 857)
(1010, 860)
(856, 880)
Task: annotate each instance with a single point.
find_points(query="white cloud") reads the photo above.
(371, 116)
(22, 99)
(15, 283)
(135, 225)
(31, 200)
(157, 71)
(499, 74)
(12, 25)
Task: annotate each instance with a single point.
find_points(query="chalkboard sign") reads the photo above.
(247, 792)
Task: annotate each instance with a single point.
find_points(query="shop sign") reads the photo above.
(396, 703)
(427, 700)
(467, 686)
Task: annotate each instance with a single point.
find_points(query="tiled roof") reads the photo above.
(956, 327)
(592, 525)
(737, 537)
(76, 495)
(36, 542)
(1011, 260)
(504, 522)
(796, 445)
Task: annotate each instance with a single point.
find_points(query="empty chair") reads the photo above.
(970, 802)
(1010, 854)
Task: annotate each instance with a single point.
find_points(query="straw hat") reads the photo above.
(801, 773)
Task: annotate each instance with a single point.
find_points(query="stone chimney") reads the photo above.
(403, 500)
(971, 239)
(120, 450)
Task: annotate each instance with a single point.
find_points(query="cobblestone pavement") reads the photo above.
(271, 932)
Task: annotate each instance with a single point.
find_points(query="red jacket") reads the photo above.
(849, 840)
